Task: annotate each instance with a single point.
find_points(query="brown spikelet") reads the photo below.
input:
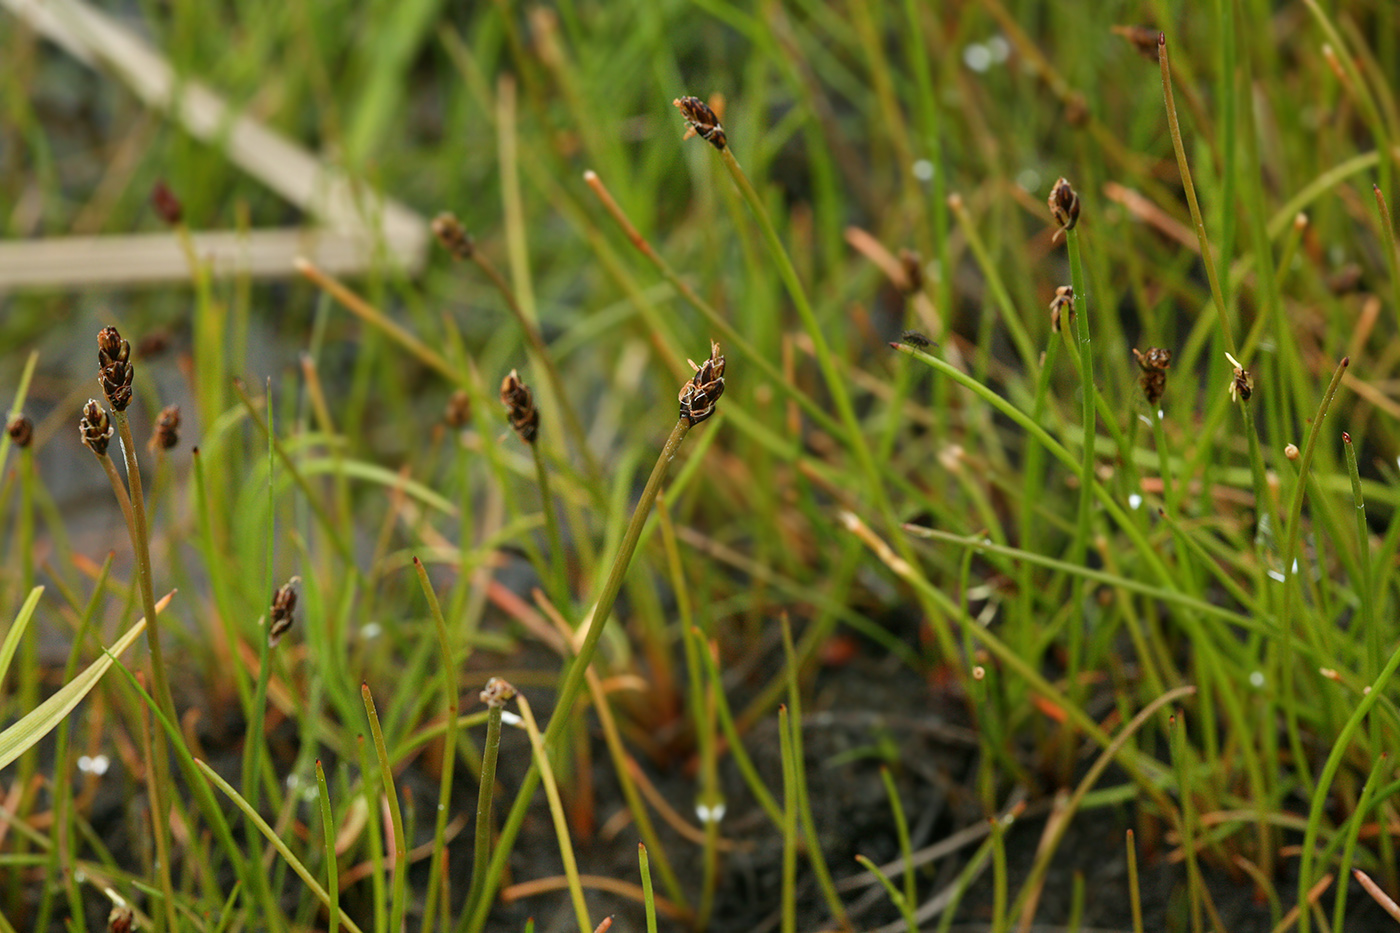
(1064, 204)
(702, 121)
(1154, 365)
(453, 236)
(1143, 39)
(114, 367)
(699, 395)
(1062, 303)
(520, 407)
(96, 427)
(167, 430)
(1241, 383)
(498, 692)
(284, 606)
(167, 207)
(21, 431)
(459, 409)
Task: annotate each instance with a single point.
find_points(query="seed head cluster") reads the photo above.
(699, 395)
(1062, 302)
(702, 121)
(1154, 365)
(284, 606)
(1064, 204)
(96, 427)
(21, 431)
(520, 407)
(114, 365)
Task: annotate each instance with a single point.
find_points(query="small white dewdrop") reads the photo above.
(706, 814)
(1256, 679)
(1135, 501)
(977, 57)
(923, 170)
(95, 764)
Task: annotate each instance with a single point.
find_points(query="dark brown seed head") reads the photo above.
(498, 692)
(913, 265)
(114, 367)
(1141, 38)
(168, 207)
(167, 432)
(520, 407)
(121, 920)
(1062, 303)
(453, 236)
(284, 606)
(699, 395)
(1241, 385)
(1064, 204)
(459, 409)
(1154, 365)
(21, 430)
(96, 427)
(702, 121)
(915, 339)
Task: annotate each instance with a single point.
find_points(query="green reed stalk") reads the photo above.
(449, 743)
(332, 867)
(475, 919)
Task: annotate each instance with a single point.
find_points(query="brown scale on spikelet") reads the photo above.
(167, 207)
(699, 395)
(498, 692)
(520, 406)
(1154, 365)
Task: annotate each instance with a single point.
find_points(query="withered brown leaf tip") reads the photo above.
(96, 427)
(114, 364)
(1061, 303)
(699, 395)
(1064, 204)
(520, 406)
(702, 120)
(21, 430)
(1154, 365)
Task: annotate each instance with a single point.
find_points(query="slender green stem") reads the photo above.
(648, 897)
(1134, 893)
(1090, 433)
(804, 805)
(475, 920)
(901, 828)
(332, 867)
(556, 810)
(558, 576)
(787, 903)
(449, 743)
(1207, 257)
(486, 791)
(398, 900)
